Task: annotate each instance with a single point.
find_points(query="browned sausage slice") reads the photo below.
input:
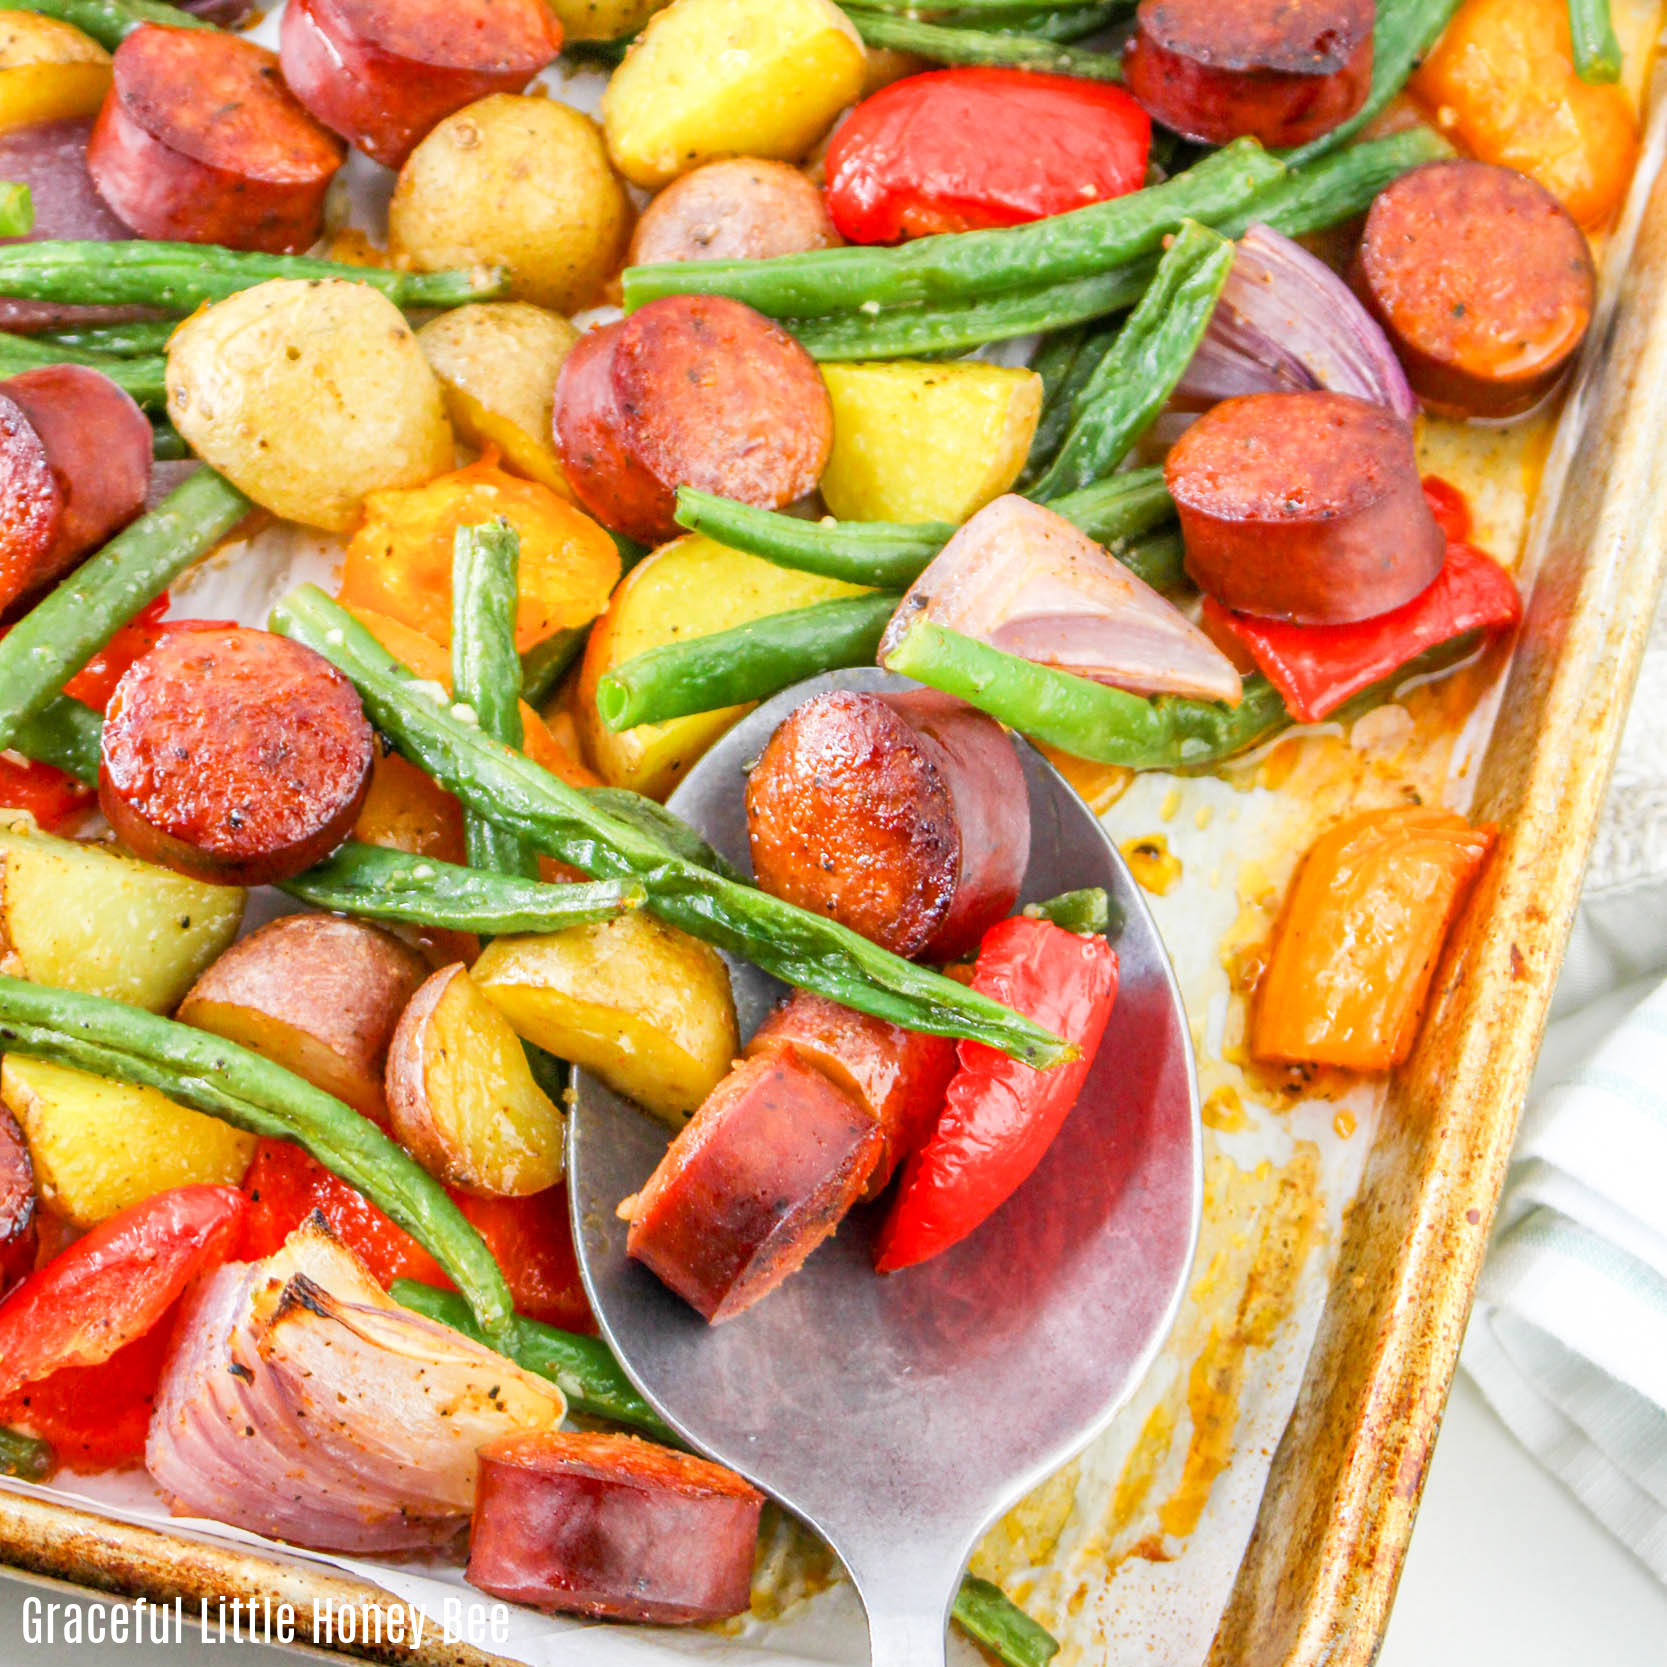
(1483, 282)
(51, 159)
(200, 140)
(233, 755)
(590, 436)
(383, 72)
(753, 1183)
(17, 1204)
(1282, 71)
(1305, 507)
(742, 208)
(97, 445)
(904, 817)
(612, 1526)
(898, 1076)
(715, 395)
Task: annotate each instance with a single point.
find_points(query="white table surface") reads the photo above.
(1506, 1570)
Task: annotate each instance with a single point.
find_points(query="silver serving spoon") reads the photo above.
(900, 1416)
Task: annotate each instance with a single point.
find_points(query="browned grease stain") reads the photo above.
(1026, 1537)
(1287, 1230)
(1223, 1110)
(1061, 1546)
(1153, 864)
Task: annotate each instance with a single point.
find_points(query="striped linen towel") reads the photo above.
(1568, 1341)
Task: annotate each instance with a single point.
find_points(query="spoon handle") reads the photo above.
(906, 1591)
(911, 1638)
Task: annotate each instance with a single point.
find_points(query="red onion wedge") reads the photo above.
(1023, 579)
(301, 1403)
(1286, 323)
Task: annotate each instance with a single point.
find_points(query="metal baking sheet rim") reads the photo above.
(1318, 1577)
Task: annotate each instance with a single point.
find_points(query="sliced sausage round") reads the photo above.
(233, 755)
(897, 1076)
(1305, 507)
(742, 208)
(17, 1204)
(590, 436)
(96, 446)
(1482, 281)
(383, 72)
(760, 1175)
(51, 159)
(612, 1526)
(904, 817)
(199, 140)
(717, 396)
(1281, 71)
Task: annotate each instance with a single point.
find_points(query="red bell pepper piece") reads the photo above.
(1450, 508)
(1000, 1116)
(52, 796)
(285, 1185)
(959, 149)
(96, 681)
(115, 1284)
(1316, 668)
(530, 1238)
(96, 1417)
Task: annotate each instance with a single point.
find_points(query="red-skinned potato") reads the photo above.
(743, 208)
(461, 1096)
(234, 756)
(316, 993)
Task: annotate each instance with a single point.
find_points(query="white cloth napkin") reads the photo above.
(1568, 1340)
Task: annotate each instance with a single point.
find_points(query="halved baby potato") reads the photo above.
(497, 362)
(99, 1146)
(317, 994)
(84, 917)
(49, 71)
(643, 1005)
(461, 1096)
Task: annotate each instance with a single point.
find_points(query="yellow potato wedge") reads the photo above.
(317, 994)
(711, 78)
(603, 20)
(461, 1096)
(99, 1146)
(689, 588)
(84, 917)
(497, 362)
(926, 442)
(643, 1005)
(49, 71)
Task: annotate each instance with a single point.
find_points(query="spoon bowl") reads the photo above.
(900, 1416)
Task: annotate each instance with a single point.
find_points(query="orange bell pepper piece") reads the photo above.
(1358, 943)
(1502, 80)
(399, 563)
